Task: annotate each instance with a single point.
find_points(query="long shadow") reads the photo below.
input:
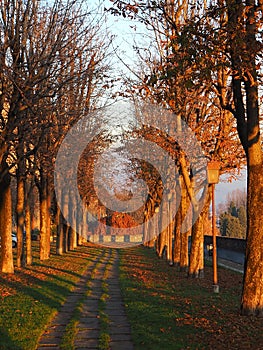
(47, 292)
(6, 343)
(91, 256)
(40, 290)
(55, 269)
(50, 293)
(50, 298)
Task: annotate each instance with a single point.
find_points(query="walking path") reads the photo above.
(102, 319)
(102, 322)
(228, 264)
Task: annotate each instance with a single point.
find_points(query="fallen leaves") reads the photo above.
(199, 316)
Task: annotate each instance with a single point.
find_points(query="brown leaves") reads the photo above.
(213, 321)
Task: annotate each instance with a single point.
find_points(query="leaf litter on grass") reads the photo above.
(195, 315)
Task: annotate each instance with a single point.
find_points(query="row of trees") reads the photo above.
(53, 71)
(206, 68)
(202, 65)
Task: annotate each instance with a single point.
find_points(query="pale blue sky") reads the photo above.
(224, 187)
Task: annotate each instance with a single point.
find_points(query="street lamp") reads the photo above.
(213, 168)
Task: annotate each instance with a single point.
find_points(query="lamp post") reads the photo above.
(213, 168)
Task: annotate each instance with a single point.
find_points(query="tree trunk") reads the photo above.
(20, 211)
(59, 241)
(170, 238)
(243, 50)
(70, 238)
(164, 235)
(184, 258)
(151, 229)
(28, 230)
(162, 243)
(184, 234)
(65, 237)
(72, 243)
(78, 223)
(75, 229)
(177, 229)
(147, 215)
(65, 204)
(177, 238)
(196, 265)
(44, 243)
(35, 208)
(252, 294)
(60, 232)
(83, 226)
(7, 263)
(252, 300)
(48, 218)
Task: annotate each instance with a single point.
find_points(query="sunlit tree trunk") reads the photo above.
(84, 226)
(252, 295)
(196, 261)
(185, 233)
(75, 222)
(72, 241)
(78, 222)
(44, 243)
(242, 33)
(48, 215)
(162, 243)
(147, 214)
(20, 212)
(28, 227)
(65, 206)
(177, 238)
(7, 264)
(34, 206)
(170, 235)
(151, 228)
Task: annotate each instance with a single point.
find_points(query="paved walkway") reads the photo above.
(99, 294)
(228, 264)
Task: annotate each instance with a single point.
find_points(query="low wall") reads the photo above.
(233, 244)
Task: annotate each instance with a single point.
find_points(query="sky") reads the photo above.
(223, 187)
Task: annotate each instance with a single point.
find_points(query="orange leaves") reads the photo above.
(165, 330)
(198, 322)
(6, 292)
(132, 8)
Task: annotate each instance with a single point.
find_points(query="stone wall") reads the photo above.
(234, 244)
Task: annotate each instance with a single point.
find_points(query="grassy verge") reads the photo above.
(167, 310)
(32, 296)
(104, 336)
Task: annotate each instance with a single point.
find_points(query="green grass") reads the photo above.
(32, 296)
(168, 310)
(152, 319)
(67, 342)
(104, 336)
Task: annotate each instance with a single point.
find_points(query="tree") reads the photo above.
(50, 54)
(233, 219)
(245, 50)
(230, 226)
(176, 75)
(230, 35)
